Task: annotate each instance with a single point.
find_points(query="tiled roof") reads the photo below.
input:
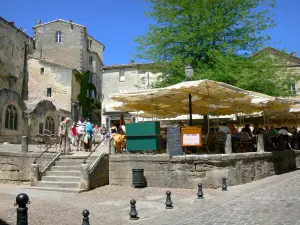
(274, 50)
(32, 104)
(119, 66)
(50, 62)
(59, 20)
(12, 25)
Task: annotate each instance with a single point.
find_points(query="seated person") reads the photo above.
(273, 130)
(223, 128)
(248, 130)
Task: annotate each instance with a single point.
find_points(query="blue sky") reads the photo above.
(116, 23)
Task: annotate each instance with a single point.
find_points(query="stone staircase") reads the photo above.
(64, 174)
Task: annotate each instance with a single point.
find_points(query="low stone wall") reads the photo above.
(15, 166)
(99, 176)
(188, 170)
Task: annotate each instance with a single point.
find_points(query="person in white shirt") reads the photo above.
(223, 128)
(284, 131)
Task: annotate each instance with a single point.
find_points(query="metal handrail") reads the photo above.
(34, 162)
(51, 161)
(84, 161)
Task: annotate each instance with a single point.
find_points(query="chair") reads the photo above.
(39, 141)
(47, 141)
(211, 142)
(48, 132)
(245, 143)
(55, 140)
(221, 141)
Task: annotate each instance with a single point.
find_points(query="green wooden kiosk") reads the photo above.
(144, 136)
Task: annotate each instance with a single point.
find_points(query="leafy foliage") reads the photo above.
(216, 38)
(85, 102)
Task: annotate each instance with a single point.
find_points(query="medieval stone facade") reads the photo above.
(68, 44)
(37, 81)
(122, 78)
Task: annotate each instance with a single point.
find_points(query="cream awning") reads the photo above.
(208, 97)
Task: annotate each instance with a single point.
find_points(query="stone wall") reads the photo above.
(99, 176)
(66, 52)
(11, 97)
(134, 80)
(187, 171)
(12, 52)
(15, 166)
(54, 76)
(96, 47)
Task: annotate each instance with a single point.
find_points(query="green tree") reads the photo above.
(216, 38)
(85, 102)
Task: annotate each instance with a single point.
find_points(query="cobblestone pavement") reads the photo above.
(271, 201)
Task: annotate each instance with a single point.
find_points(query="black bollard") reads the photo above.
(133, 213)
(22, 217)
(85, 220)
(169, 203)
(200, 192)
(224, 184)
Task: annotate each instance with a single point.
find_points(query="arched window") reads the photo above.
(11, 118)
(50, 124)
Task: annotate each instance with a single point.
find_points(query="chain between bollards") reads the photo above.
(22, 200)
(224, 184)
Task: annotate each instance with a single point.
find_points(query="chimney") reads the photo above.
(131, 61)
(293, 54)
(38, 22)
(12, 23)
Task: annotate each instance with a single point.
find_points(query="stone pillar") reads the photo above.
(24, 144)
(228, 145)
(112, 149)
(85, 179)
(260, 143)
(34, 174)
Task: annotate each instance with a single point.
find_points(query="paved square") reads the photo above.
(274, 200)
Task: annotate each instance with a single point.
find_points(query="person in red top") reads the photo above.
(73, 133)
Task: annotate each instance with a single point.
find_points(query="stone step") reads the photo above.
(77, 157)
(61, 178)
(55, 184)
(65, 168)
(75, 190)
(64, 173)
(71, 162)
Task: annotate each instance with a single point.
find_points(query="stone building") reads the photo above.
(68, 44)
(15, 46)
(54, 82)
(122, 78)
(293, 63)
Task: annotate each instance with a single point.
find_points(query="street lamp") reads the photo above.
(189, 74)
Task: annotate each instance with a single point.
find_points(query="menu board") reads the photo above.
(174, 141)
(191, 139)
(191, 136)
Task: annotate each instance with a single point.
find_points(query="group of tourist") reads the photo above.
(83, 134)
(246, 134)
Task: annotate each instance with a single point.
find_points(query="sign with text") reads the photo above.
(173, 141)
(191, 136)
